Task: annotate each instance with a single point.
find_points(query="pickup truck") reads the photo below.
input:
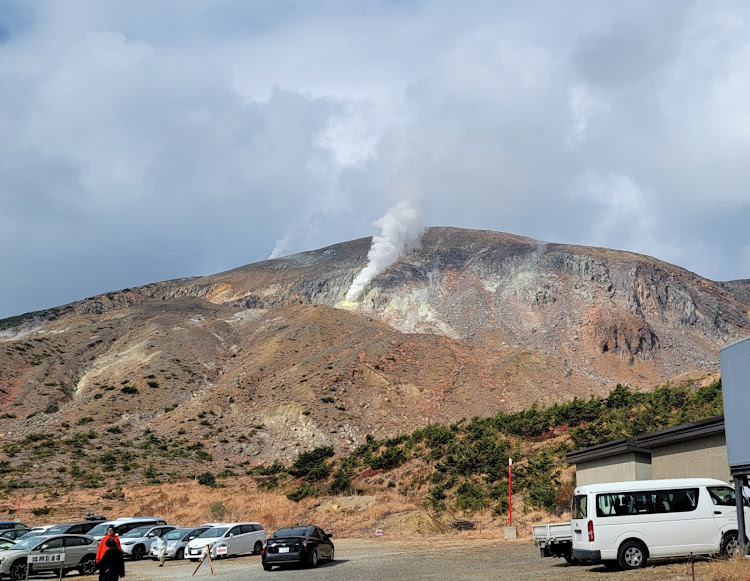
(554, 540)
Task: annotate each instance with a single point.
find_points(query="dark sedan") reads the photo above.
(306, 545)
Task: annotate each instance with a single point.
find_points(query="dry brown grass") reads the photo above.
(188, 502)
(736, 570)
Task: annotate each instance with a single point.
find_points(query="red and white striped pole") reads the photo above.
(510, 493)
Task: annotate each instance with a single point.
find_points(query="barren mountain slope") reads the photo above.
(259, 364)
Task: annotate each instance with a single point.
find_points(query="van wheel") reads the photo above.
(632, 555)
(729, 545)
(258, 548)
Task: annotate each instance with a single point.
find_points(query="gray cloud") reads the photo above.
(146, 141)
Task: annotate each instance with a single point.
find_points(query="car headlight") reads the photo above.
(128, 542)
(172, 544)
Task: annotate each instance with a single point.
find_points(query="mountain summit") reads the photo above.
(269, 359)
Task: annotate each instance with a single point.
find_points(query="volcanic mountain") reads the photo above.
(261, 362)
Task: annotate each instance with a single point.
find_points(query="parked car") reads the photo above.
(6, 543)
(6, 525)
(305, 545)
(72, 528)
(13, 533)
(177, 540)
(33, 532)
(79, 550)
(228, 539)
(124, 524)
(136, 543)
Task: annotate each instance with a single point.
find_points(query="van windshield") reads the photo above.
(579, 508)
(723, 496)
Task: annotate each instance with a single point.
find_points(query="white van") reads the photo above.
(626, 523)
(228, 539)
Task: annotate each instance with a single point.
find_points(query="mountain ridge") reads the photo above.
(464, 323)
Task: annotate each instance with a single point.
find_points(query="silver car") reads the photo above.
(177, 540)
(45, 554)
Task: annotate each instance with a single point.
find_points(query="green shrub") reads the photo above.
(302, 491)
(312, 463)
(217, 510)
(470, 497)
(41, 510)
(207, 479)
(129, 390)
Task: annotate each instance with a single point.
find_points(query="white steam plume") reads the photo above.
(397, 227)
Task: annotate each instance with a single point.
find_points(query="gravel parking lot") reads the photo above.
(421, 559)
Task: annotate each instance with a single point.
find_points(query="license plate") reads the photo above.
(283, 549)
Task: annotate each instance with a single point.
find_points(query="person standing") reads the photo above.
(161, 548)
(102, 548)
(112, 563)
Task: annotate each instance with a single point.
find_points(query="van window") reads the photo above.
(722, 495)
(578, 510)
(646, 502)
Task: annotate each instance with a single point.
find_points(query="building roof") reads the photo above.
(646, 442)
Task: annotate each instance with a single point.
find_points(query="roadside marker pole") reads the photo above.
(18, 510)
(510, 493)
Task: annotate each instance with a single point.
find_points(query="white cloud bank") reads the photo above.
(145, 141)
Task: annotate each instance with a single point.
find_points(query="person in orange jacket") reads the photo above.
(103, 543)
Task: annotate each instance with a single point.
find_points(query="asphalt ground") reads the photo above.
(418, 560)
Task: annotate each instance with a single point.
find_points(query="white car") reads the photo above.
(177, 540)
(136, 543)
(228, 539)
(125, 524)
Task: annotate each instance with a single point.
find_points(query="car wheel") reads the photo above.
(87, 566)
(17, 570)
(267, 567)
(139, 551)
(632, 555)
(729, 545)
(180, 554)
(314, 558)
(258, 548)
(330, 559)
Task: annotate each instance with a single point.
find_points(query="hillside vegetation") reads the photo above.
(460, 468)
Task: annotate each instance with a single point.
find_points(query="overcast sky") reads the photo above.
(147, 140)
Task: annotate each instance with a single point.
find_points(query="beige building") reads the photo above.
(694, 450)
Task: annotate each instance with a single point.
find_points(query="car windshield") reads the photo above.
(26, 544)
(29, 535)
(213, 533)
(175, 534)
(59, 529)
(99, 530)
(137, 532)
(291, 532)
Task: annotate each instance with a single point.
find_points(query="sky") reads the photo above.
(147, 140)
